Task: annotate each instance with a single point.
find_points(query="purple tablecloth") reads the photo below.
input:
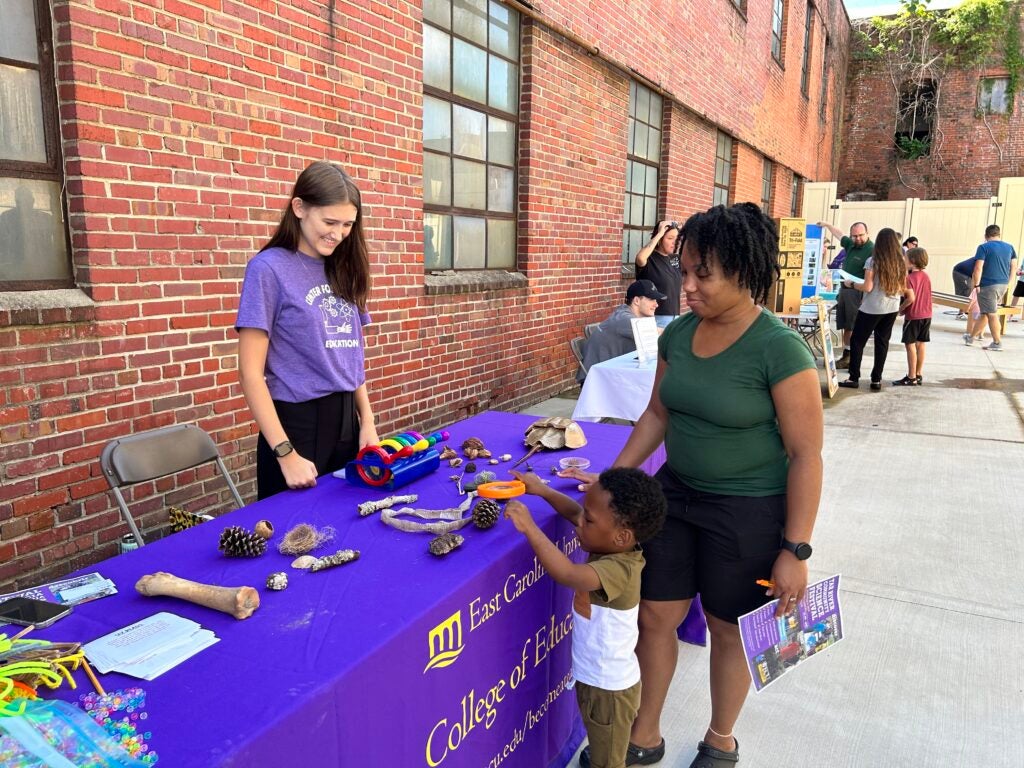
(399, 659)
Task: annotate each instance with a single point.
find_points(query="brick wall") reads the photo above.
(970, 152)
(184, 125)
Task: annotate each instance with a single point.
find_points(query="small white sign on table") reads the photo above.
(645, 334)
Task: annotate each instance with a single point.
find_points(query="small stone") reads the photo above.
(493, 461)
(506, 457)
(277, 581)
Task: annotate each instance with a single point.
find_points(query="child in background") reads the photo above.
(1018, 291)
(623, 508)
(916, 308)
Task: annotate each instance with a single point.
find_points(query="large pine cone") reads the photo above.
(238, 542)
(485, 513)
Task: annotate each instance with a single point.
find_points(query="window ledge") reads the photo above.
(66, 305)
(471, 281)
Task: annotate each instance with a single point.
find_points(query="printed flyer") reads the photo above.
(774, 646)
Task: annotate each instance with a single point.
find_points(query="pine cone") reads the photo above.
(485, 513)
(238, 542)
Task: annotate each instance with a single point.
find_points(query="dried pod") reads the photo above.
(264, 529)
(506, 457)
(277, 581)
(456, 462)
(471, 453)
(493, 461)
(303, 562)
(448, 453)
(483, 453)
(445, 543)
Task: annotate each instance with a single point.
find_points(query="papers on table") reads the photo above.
(73, 591)
(150, 647)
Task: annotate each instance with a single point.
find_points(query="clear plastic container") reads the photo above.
(574, 462)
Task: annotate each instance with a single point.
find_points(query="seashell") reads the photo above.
(303, 562)
(506, 457)
(264, 528)
(277, 581)
(448, 453)
(493, 461)
(483, 453)
(445, 543)
(456, 462)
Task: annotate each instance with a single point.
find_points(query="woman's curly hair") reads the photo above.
(742, 240)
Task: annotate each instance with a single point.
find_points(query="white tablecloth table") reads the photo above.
(619, 388)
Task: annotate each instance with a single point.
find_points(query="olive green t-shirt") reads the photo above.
(723, 434)
(856, 256)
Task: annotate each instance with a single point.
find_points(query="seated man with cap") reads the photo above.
(614, 336)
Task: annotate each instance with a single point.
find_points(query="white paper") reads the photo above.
(852, 278)
(645, 334)
(149, 647)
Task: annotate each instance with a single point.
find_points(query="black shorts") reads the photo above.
(917, 330)
(716, 545)
(1018, 289)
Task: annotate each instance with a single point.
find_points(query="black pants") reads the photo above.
(325, 431)
(865, 325)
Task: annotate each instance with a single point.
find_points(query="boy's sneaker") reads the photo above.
(995, 346)
(968, 339)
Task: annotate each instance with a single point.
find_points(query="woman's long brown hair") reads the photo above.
(888, 264)
(348, 267)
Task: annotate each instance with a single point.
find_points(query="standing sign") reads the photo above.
(828, 352)
(812, 261)
(645, 334)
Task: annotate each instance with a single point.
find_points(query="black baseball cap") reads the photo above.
(644, 288)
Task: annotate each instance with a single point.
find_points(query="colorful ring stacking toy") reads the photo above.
(376, 465)
(501, 490)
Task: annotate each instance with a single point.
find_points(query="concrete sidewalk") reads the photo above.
(922, 514)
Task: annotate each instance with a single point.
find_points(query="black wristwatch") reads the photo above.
(283, 448)
(802, 551)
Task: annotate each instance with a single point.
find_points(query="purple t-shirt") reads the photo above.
(316, 338)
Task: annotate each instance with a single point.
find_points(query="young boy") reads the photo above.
(623, 508)
(917, 308)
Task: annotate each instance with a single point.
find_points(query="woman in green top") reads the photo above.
(737, 402)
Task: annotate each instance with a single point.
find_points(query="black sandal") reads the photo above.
(906, 381)
(709, 757)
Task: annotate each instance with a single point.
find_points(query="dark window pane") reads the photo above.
(32, 244)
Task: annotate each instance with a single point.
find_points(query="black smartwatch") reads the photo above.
(283, 448)
(802, 551)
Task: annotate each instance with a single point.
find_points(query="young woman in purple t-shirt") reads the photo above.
(300, 335)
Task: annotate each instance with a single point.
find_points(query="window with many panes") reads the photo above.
(994, 95)
(33, 237)
(794, 197)
(643, 160)
(805, 68)
(778, 18)
(723, 169)
(766, 187)
(470, 111)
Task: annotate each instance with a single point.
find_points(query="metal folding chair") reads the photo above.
(589, 329)
(158, 453)
(576, 345)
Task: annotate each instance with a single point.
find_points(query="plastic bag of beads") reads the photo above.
(55, 734)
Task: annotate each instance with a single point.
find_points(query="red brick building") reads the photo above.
(160, 140)
(976, 134)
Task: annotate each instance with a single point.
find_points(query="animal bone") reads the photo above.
(240, 602)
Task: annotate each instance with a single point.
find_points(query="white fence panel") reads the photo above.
(955, 229)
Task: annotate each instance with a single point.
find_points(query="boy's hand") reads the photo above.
(534, 485)
(586, 479)
(520, 516)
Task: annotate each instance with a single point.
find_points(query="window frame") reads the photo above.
(805, 66)
(781, 6)
(52, 170)
(986, 109)
(454, 100)
(628, 255)
(767, 177)
(726, 161)
(794, 196)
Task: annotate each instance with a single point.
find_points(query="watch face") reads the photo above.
(282, 449)
(803, 551)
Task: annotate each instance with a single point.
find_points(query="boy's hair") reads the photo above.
(636, 500)
(918, 257)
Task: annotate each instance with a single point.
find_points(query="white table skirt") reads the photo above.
(619, 388)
